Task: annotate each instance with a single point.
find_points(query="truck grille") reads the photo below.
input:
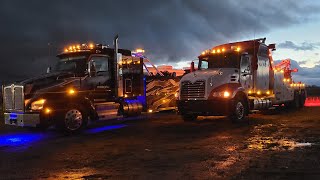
(194, 90)
(13, 98)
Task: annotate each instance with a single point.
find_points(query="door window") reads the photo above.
(245, 65)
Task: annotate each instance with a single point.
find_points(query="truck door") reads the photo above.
(246, 71)
(99, 80)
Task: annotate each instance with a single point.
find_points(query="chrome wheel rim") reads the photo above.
(73, 119)
(240, 110)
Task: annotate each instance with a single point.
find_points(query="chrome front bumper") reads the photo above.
(22, 120)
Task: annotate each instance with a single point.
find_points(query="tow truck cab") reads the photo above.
(233, 79)
(89, 82)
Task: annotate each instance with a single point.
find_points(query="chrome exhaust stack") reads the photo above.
(117, 69)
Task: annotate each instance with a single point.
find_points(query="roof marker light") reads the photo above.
(140, 50)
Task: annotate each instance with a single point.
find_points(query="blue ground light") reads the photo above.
(20, 139)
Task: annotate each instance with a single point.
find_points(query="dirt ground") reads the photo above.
(275, 145)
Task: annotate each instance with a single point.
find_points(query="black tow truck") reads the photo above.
(90, 82)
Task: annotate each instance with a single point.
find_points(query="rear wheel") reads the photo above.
(189, 117)
(295, 104)
(302, 99)
(73, 119)
(239, 110)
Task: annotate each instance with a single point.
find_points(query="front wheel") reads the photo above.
(73, 119)
(239, 110)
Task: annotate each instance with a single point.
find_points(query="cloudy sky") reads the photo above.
(171, 31)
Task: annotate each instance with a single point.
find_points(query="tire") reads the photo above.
(302, 99)
(239, 110)
(73, 119)
(295, 104)
(189, 117)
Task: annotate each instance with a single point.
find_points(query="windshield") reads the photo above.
(72, 64)
(226, 60)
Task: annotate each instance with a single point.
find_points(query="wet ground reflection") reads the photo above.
(266, 137)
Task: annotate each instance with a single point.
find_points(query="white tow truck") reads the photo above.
(236, 78)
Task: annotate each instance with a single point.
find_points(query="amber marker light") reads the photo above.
(226, 94)
(268, 92)
(47, 110)
(71, 91)
(140, 50)
(259, 92)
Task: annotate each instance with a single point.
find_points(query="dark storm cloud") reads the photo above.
(169, 30)
(302, 47)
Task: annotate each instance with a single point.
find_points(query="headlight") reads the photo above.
(224, 94)
(38, 105)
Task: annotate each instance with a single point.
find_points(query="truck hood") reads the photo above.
(46, 82)
(209, 73)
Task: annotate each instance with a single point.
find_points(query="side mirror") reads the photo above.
(49, 69)
(272, 47)
(192, 67)
(92, 69)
